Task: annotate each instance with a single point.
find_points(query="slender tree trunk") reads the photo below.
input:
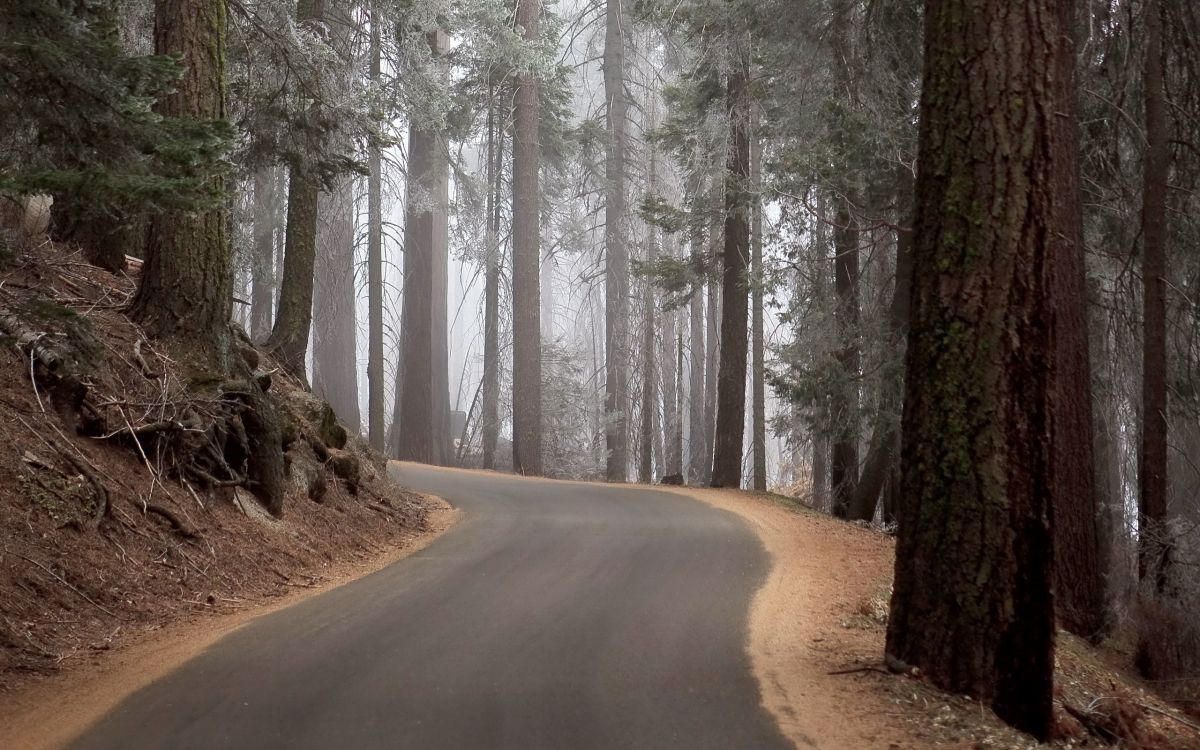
(758, 374)
(335, 357)
(491, 295)
(187, 278)
(844, 452)
(1155, 553)
(616, 250)
(293, 316)
(972, 606)
(262, 270)
(696, 389)
(424, 430)
(731, 382)
(375, 376)
(527, 341)
(1079, 577)
(672, 374)
(712, 357)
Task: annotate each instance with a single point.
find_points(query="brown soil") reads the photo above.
(823, 609)
(112, 569)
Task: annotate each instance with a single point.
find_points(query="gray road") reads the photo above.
(552, 616)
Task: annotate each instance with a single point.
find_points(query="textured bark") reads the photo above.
(758, 366)
(972, 605)
(1079, 577)
(262, 269)
(293, 315)
(490, 420)
(335, 351)
(527, 343)
(423, 433)
(1155, 550)
(616, 250)
(731, 380)
(375, 374)
(187, 278)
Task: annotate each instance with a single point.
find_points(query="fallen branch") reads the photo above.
(176, 522)
(857, 670)
(63, 581)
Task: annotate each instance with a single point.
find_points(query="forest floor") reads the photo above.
(817, 630)
(113, 569)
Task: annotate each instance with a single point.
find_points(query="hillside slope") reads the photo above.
(122, 507)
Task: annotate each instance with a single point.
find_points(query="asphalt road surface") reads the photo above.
(553, 615)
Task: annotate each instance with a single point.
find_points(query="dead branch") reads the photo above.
(64, 582)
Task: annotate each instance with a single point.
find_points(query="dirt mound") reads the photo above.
(117, 515)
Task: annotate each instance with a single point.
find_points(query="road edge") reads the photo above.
(53, 712)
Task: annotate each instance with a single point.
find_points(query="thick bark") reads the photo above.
(187, 278)
(490, 420)
(1155, 550)
(527, 339)
(335, 352)
(375, 375)
(731, 381)
(973, 605)
(423, 433)
(758, 366)
(616, 250)
(262, 269)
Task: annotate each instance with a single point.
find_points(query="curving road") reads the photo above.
(554, 615)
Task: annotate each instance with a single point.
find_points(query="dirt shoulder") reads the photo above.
(50, 712)
(813, 616)
(817, 629)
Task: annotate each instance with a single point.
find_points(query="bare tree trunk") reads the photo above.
(491, 295)
(1078, 576)
(712, 357)
(731, 382)
(672, 373)
(845, 402)
(616, 250)
(758, 367)
(424, 431)
(527, 340)
(375, 375)
(973, 606)
(696, 389)
(335, 352)
(1152, 468)
(187, 278)
(262, 269)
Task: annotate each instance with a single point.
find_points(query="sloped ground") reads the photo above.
(106, 537)
(817, 631)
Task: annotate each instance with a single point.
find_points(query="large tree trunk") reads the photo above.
(187, 278)
(1152, 466)
(423, 433)
(972, 605)
(731, 382)
(616, 250)
(490, 420)
(375, 376)
(335, 352)
(527, 339)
